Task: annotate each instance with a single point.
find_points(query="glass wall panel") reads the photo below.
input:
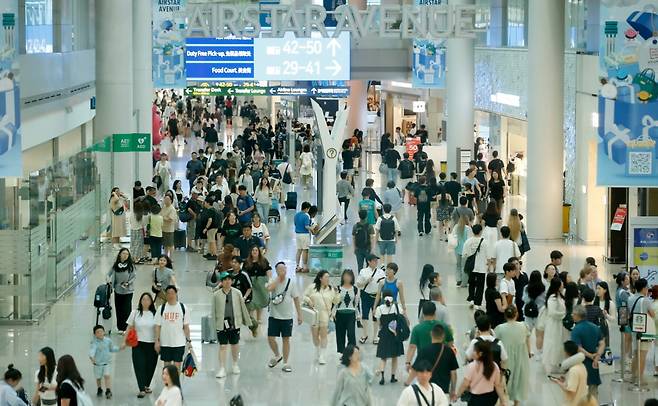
(38, 26)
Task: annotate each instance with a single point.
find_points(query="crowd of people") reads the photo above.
(232, 191)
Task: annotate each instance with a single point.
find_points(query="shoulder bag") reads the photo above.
(469, 264)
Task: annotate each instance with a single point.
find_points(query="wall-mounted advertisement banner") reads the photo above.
(131, 142)
(628, 100)
(11, 163)
(169, 31)
(428, 64)
(619, 218)
(276, 59)
(644, 247)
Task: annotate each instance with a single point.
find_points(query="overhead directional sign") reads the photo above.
(288, 58)
(331, 92)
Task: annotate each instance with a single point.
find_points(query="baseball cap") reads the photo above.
(224, 275)
(370, 257)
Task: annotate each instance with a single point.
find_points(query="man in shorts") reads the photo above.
(283, 294)
(172, 329)
(302, 237)
(368, 282)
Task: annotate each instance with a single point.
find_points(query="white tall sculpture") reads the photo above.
(331, 145)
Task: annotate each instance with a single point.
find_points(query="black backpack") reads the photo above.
(496, 350)
(361, 236)
(102, 295)
(510, 167)
(406, 169)
(387, 229)
(531, 310)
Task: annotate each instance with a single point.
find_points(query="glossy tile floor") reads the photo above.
(68, 328)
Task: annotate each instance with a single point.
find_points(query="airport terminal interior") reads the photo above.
(323, 202)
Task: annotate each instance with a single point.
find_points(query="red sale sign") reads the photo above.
(618, 219)
(412, 146)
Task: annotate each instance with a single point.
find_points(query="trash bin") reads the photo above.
(327, 257)
(566, 216)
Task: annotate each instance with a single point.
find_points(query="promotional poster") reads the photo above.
(628, 98)
(169, 44)
(10, 119)
(645, 252)
(428, 64)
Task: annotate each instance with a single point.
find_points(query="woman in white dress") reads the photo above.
(163, 170)
(306, 167)
(554, 332)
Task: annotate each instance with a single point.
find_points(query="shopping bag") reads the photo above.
(189, 366)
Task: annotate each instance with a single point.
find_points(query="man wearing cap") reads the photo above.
(229, 312)
(368, 281)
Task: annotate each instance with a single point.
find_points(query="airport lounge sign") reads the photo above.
(386, 21)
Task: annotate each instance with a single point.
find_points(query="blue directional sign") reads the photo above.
(288, 58)
(291, 58)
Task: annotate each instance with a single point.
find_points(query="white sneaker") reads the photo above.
(221, 374)
(236, 369)
(321, 359)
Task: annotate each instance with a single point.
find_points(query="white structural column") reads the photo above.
(114, 81)
(142, 82)
(459, 94)
(358, 98)
(545, 118)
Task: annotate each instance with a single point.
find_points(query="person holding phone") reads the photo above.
(574, 383)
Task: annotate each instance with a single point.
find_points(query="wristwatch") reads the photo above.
(188, 340)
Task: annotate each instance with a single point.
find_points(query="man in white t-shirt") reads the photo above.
(429, 393)
(172, 329)
(640, 303)
(283, 294)
(477, 277)
(507, 285)
(505, 249)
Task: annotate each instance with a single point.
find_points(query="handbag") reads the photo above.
(119, 211)
(156, 286)
(131, 338)
(383, 168)
(309, 316)
(646, 81)
(189, 366)
(525, 244)
(452, 241)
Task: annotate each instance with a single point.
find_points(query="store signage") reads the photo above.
(618, 219)
(411, 146)
(132, 142)
(288, 58)
(385, 21)
(418, 107)
(332, 92)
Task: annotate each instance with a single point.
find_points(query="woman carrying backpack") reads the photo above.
(70, 385)
(443, 213)
(482, 378)
(389, 345)
(534, 299)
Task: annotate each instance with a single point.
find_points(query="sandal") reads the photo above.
(375, 341)
(274, 361)
(141, 395)
(148, 390)
(363, 340)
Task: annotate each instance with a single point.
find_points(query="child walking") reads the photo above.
(99, 353)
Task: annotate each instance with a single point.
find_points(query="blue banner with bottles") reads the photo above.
(168, 48)
(628, 98)
(428, 63)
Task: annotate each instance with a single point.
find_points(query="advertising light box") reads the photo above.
(288, 58)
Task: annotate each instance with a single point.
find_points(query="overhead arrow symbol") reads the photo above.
(336, 68)
(272, 90)
(230, 91)
(314, 90)
(333, 45)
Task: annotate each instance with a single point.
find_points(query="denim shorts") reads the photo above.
(386, 247)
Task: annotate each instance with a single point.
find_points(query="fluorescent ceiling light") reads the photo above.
(595, 120)
(507, 99)
(405, 85)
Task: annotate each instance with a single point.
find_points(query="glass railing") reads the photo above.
(49, 230)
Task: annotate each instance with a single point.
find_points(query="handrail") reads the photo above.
(326, 229)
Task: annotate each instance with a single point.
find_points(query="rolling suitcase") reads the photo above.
(208, 330)
(273, 214)
(180, 239)
(291, 201)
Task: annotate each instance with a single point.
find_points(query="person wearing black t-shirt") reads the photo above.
(241, 280)
(194, 208)
(246, 241)
(231, 229)
(497, 189)
(444, 374)
(453, 188)
(422, 134)
(496, 164)
(496, 306)
(481, 173)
